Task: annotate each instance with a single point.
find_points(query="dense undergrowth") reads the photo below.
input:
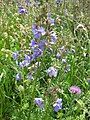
(44, 60)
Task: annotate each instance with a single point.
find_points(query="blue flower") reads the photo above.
(41, 44)
(50, 20)
(15, 55)
(37, 52)
(41, 30)
(38, 31)
(33, 44)
(35, 31)
(18, 76)
(24, 63)
(39, 102)
(58, 55)
(29, 76)
(28, 3)
(28, 58)
(58, 105)
(34, 28)
(37, 35)
(52, 72)
(53, 38)
(59, 101)
(22, 10)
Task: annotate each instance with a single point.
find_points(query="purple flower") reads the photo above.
(22, 10)
(41, 30)
(38, 31)
(34, 28)
(30, 77)
(28, 58)
(53, 38)
(37, 53)
(59, 101)
(24, 63)
(52, 72)
(37, 35)
(15, 55)
(58, 105)
(51, 20)
(33, 44)
(35, 31)
(58, 55)
(75, 90)
(18, 76)
(41, 44)
(39, 102)
(28, 2)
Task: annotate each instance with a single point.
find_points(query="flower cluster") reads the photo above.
(36, 48)
(48, 67)
(57, 106)
(36, 45)
(26, 61)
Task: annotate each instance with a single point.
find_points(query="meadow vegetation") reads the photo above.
(44, 60)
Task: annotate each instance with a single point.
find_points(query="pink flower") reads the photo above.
(75, 90)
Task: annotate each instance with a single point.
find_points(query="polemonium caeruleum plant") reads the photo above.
(54, 52)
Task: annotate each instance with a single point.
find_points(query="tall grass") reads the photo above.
(73, 34)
